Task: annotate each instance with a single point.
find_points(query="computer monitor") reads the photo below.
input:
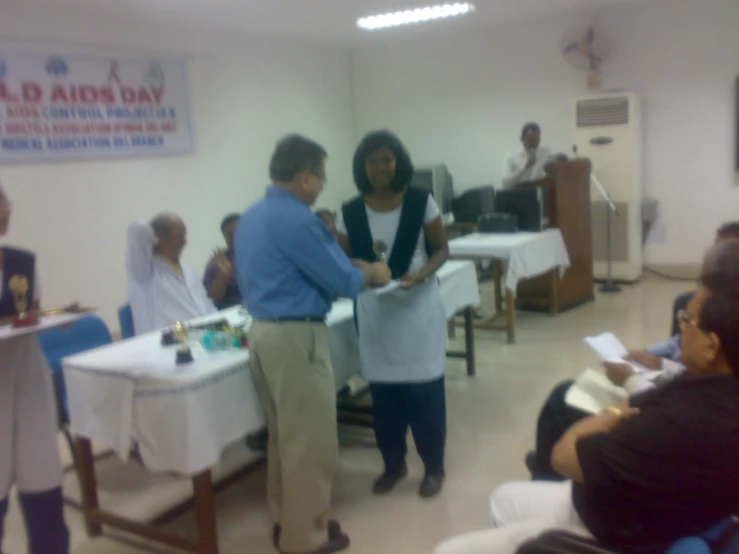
(473, 203)
(437, 180)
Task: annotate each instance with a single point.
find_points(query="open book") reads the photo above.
(593, 392)
(610, 349)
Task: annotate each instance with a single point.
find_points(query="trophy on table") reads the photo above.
(19, 287)
(184, 354)
(380, 249)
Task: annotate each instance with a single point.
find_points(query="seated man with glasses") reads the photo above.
(652, 470)
(557, 416)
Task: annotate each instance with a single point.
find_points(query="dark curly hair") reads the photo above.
(372, 142)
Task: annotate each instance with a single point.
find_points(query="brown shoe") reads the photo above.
(336, 544)
(334, 531)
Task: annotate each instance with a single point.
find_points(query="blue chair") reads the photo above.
(125, 320)
(721, 539)
(84, 334)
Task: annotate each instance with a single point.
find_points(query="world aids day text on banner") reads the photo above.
(56, 107)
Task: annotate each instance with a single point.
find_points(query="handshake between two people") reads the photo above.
(378, 274)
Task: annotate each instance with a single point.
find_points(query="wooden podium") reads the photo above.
(568, 183)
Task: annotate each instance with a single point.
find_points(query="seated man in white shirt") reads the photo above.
(161, 290)
(529, 163)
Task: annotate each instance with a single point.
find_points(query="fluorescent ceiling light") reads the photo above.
(417, 15)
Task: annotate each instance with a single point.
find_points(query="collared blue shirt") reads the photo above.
(288, 265)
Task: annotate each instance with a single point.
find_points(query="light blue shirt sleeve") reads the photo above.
(320, 258)
(669, 349)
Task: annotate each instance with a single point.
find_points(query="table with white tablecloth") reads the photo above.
(524, 255)
(180, 418)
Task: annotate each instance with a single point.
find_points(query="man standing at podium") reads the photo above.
(527, 164)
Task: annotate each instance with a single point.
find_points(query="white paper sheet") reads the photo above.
(592, 392)
(391, 286)
(610, 349)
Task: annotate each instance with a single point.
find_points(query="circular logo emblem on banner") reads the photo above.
(56, 67)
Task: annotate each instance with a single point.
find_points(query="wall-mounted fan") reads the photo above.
(586, 47)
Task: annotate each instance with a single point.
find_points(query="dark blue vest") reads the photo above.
(18, 263)
(406, 238)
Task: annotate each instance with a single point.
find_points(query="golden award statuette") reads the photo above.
(18, 285)
(184, 354)
(380, 248)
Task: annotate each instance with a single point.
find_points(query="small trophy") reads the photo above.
(380, 249)
(18, 285)
(184, 354)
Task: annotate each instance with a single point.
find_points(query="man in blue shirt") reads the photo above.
(289, 267)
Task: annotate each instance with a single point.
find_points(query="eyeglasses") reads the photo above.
(683, 317)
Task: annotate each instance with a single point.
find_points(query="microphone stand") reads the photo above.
(609, 285)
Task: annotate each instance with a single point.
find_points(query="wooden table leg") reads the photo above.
(554, 293)
(497, 267)
(85, 463)
(205, 511)
(469, 341)
(510, 309)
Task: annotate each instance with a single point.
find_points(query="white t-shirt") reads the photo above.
(384, 226)
(515, 170)
(158, 295)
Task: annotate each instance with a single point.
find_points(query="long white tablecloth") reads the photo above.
(528, 254)
(182, 417)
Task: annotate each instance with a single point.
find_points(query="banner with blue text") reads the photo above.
(56, 107)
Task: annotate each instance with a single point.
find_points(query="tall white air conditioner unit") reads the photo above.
(608, 131)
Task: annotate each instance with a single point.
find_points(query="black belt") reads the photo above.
(299, 319)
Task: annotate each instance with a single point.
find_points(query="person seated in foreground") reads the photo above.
(220, 279)
(557, 416)
(656, 468)
(162, 290)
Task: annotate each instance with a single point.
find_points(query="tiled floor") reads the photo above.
(491, 426)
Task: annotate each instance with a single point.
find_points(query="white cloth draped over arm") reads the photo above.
(140, 251)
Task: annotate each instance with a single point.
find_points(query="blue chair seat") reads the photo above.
(125, 320)
(84, 334)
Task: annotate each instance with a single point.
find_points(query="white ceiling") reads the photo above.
(328, 21)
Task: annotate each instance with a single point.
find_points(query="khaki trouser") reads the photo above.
(292, 371)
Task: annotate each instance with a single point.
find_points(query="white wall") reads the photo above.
(245, 94)
(462, 99)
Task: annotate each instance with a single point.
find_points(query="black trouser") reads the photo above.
(43, 513)
(554, 419)
(422, 406)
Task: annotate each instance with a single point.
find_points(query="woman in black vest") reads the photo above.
(402, 333)
(29, 457)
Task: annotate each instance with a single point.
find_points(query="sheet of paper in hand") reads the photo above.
(592, 392)
(610, 349)
(391, 286)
